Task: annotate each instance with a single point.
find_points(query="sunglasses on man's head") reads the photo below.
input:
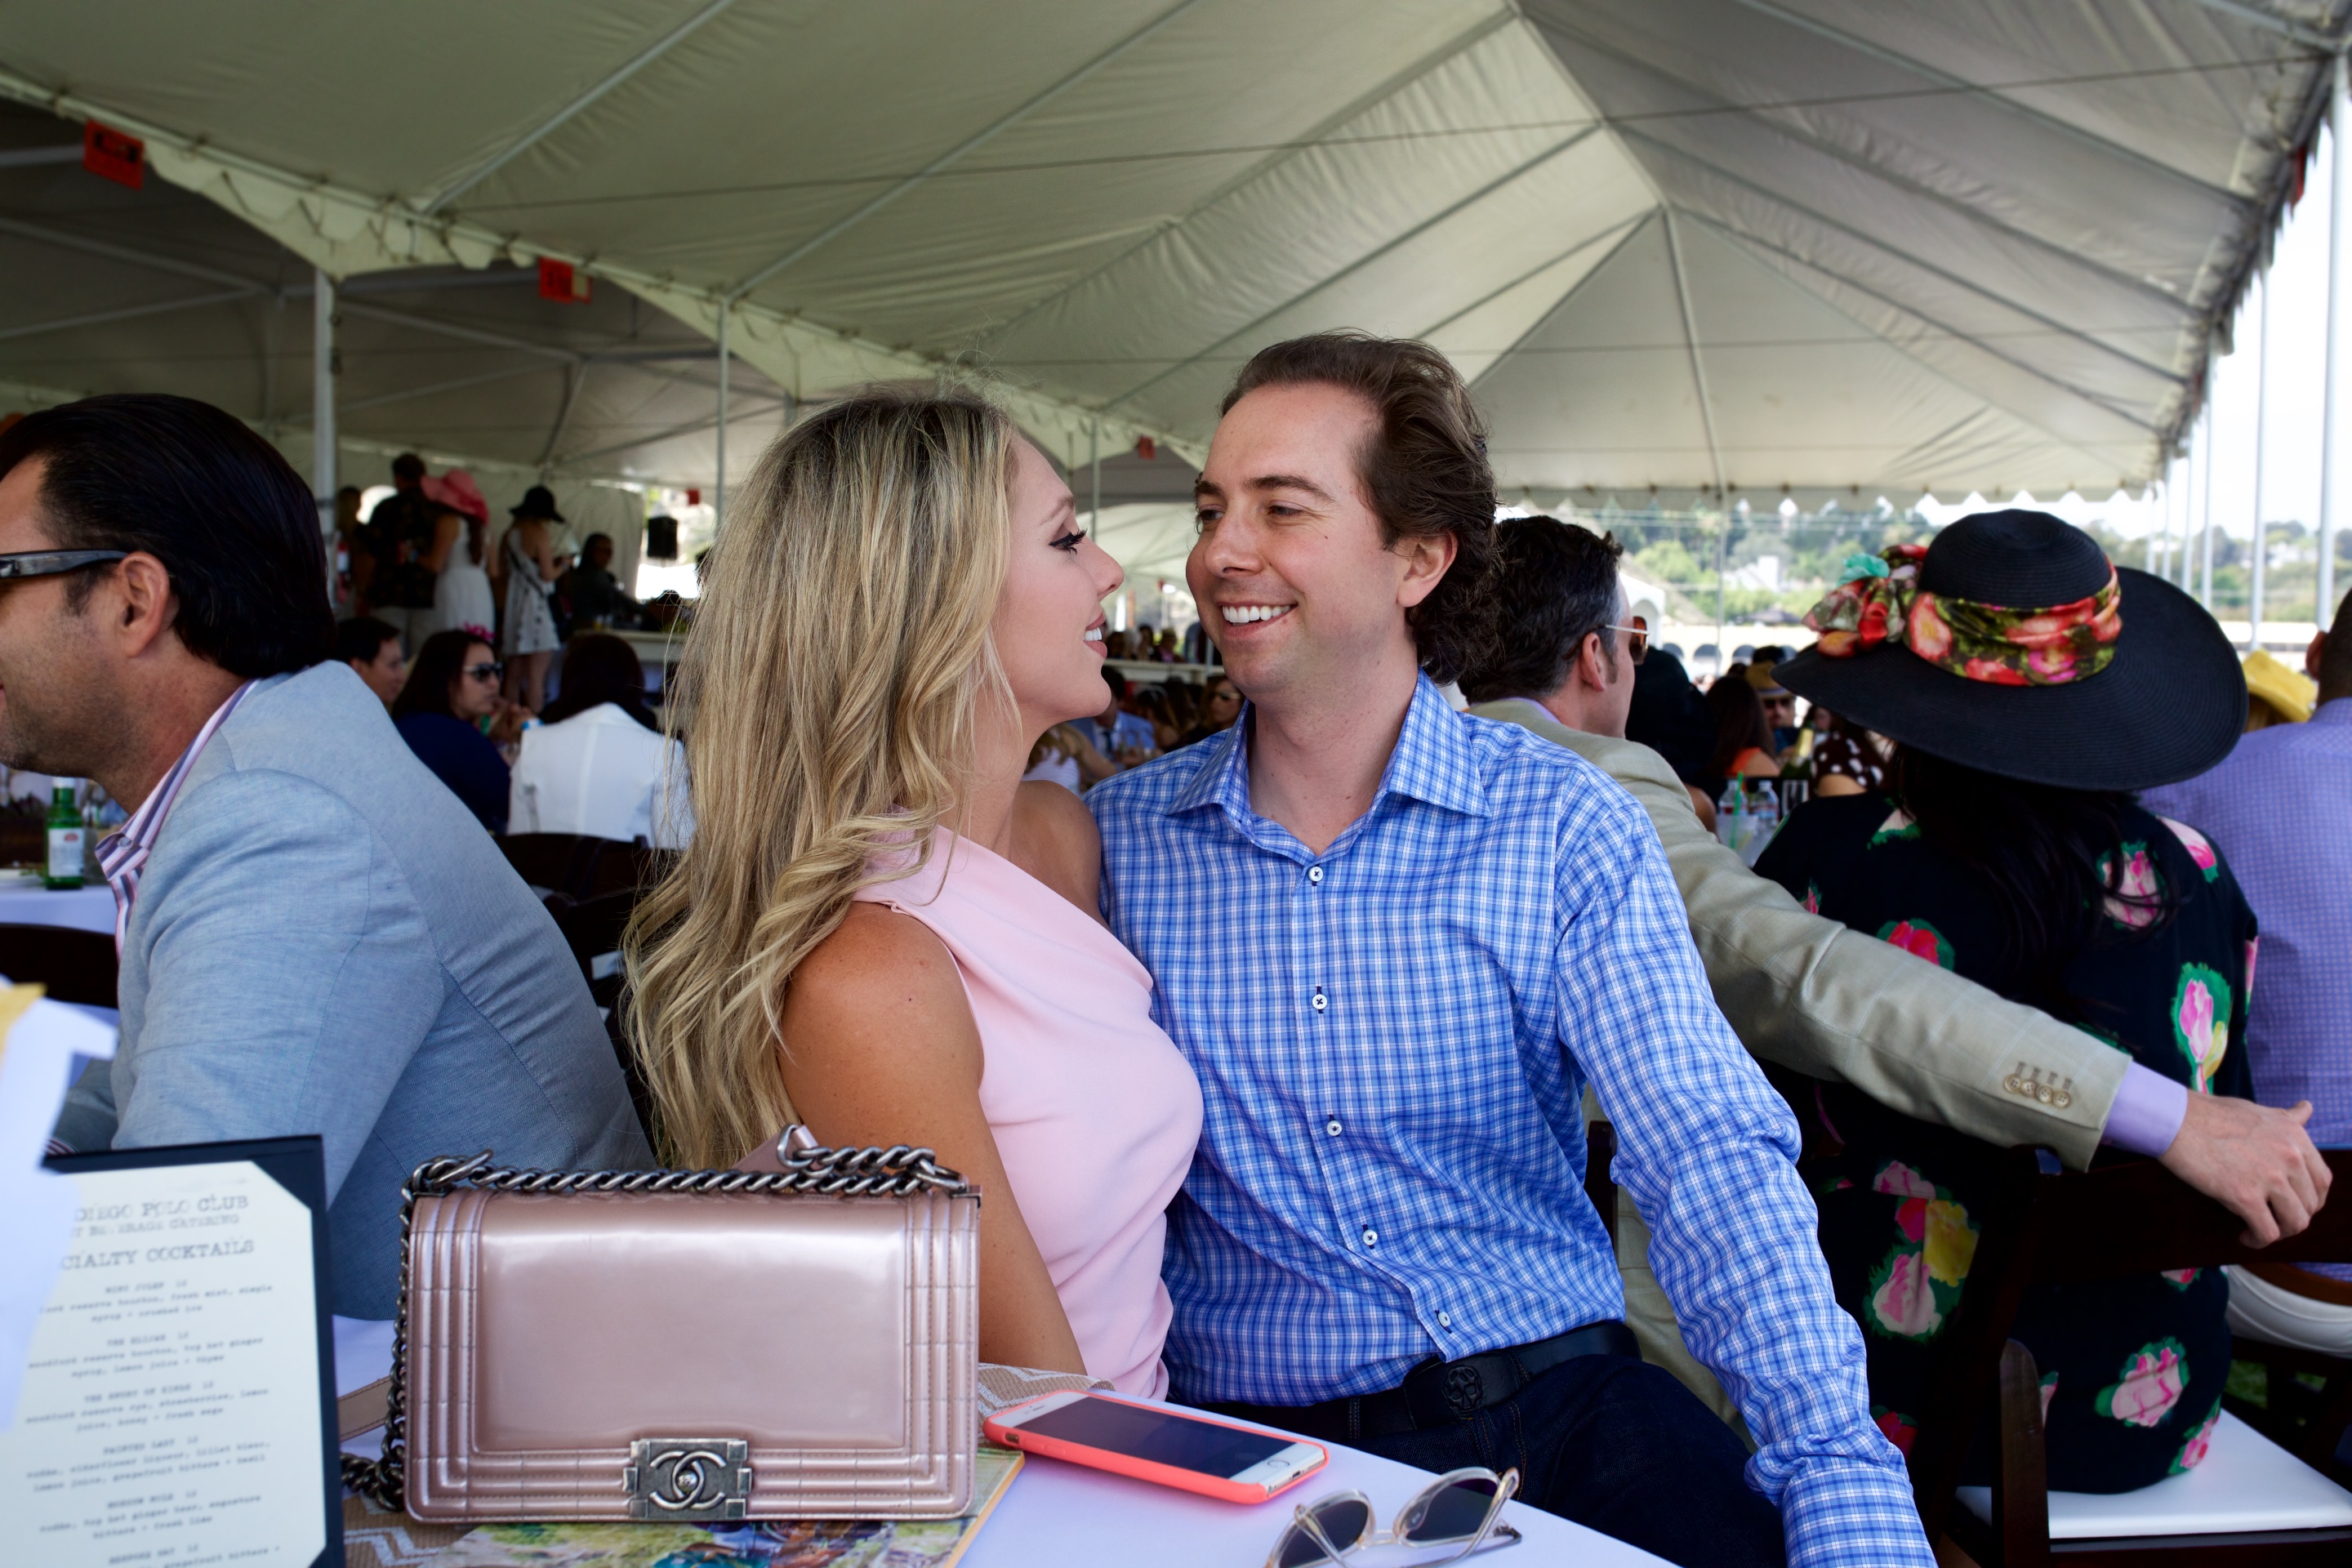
(54, 563)
(490, 671)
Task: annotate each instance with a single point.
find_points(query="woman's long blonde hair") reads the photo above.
(827, 699)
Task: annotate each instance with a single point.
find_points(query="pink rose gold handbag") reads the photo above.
(798, 1343)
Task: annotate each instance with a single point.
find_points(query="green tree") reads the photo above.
(1669, 562)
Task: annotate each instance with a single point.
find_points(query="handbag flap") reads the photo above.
(677, 1309)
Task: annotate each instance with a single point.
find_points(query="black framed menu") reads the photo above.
(178, 1403)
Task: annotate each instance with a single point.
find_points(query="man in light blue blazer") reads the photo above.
(316, 935)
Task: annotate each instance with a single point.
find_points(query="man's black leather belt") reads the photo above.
(1439, 1393)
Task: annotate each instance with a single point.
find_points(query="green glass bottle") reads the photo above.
(67, 838)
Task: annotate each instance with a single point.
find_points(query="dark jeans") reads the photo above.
(1620, 1447)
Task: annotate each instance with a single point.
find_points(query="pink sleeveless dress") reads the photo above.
(1094, 1110)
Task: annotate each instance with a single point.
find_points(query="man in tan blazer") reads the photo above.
(1807, 993)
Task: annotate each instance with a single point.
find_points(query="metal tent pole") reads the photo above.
(1094, 462)
(2201, 459)
(2163, 484)
(718, 485)
(2188, 487)
(1722, 542)
(323, 406)
(2205, 543)
(2331, 470)
(2262, 443)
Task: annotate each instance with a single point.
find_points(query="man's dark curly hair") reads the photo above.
(1426, 473)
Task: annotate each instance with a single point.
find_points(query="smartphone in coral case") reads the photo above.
(1162, 1442)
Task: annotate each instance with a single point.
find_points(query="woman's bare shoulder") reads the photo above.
(880, 971)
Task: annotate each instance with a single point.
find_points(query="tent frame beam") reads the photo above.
(1697, 362)
(245, 288)
(2050, 122)
(1738, 238)
(572, 379)
(1386, 247)
(1620, 232)
(767, 402)
(127, 312)
(971, 143)
(134, 257)
(2274, 24)
(1755, 116)
(1562, 303)
(458, 383)
(1471, 36)
(556, 122)
(464, 334)
(1981, 291)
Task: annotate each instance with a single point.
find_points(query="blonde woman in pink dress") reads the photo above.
(880, 930)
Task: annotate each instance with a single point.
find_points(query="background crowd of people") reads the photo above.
(459, 632)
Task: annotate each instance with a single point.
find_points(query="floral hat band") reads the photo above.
(1881, 601)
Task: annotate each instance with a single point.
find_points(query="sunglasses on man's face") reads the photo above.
(1637, 637)
(490, 671)
(53, 562)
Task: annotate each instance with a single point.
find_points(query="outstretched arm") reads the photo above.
(880, 1048)
(1806, 993)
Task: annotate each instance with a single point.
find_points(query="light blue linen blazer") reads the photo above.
(325, 941)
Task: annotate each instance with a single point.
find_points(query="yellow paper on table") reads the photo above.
(16, 1000)
(770, 1544)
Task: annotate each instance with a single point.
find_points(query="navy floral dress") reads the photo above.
(2132, 1370)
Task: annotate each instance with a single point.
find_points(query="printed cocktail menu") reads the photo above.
(172, 1406)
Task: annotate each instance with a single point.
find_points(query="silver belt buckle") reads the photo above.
(688, 1479)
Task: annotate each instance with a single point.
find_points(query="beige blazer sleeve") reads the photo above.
(1811, 994)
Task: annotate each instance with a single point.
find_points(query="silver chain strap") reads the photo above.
(810, 1169)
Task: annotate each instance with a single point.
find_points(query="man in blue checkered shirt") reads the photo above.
(1396, 942)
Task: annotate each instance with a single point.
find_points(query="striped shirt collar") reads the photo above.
(123, 854)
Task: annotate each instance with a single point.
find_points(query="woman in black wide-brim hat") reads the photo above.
(2029, 686)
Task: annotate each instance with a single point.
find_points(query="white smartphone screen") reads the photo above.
(1162, 1438)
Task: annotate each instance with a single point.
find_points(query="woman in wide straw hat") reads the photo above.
(2028, 687)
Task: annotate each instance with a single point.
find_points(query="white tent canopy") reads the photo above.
(1686, 247)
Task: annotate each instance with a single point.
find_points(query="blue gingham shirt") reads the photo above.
(2276, 809)
(1392, 1040)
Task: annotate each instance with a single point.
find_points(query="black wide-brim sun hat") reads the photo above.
(538, 502)
(2170, 703)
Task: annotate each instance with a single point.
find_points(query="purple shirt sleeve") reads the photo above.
(2148, 1112)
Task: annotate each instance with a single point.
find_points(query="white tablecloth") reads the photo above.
(25, 902)
(1059, 1513)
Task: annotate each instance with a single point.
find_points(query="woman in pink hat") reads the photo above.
(461, 596)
